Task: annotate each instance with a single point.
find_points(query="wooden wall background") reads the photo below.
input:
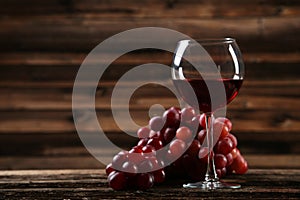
(43, 42)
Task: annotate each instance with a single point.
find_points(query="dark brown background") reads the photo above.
(43, 42)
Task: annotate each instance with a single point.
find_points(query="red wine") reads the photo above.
(200, 88)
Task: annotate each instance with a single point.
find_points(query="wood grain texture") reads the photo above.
(156, 8)
(83, 33)
(43, 44)
(92, 184)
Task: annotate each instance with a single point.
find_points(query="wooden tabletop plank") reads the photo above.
(92, 184)
(76, 161)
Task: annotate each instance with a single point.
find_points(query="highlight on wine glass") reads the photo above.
(218, 83)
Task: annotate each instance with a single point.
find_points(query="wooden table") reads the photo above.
(92, 184)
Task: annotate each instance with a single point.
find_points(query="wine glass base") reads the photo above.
(212, 185)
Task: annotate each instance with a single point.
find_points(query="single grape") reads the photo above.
(171, 117)
(118, 161)
(233, 139)
(224, 146)
(194, 148)
(235, 152)
(145, 166)
(129, 168)
(109, 169)
(155, 163)
(144, 181)
(203, 154)
(117, 180)
(169, 134)
(221, 172)
(177, 109)
(202, 120)
(240, 165)
(156, 123)
(187, 114)
(136, 155)
(220, 129)
(220, 161)
(143, 132)
(177, 148)
(201, 136)
(226, 121)
(195, 124)
(229, 158)
(184, 133)
(159, 176)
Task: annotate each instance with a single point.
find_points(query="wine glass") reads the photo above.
(208, 75)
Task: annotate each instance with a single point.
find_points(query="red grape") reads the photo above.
(156, 123)
(117, 180)
(220, 129)
(233, 139)
(177, 148)
(159, 176)
(160, 135)
(187, 114)
(136, 149)
(143, 132)
(144, 181)
(221, 172)
(220, 161)
(142, 142)
(203, 154)
(130, 168)
(153, 134)
(201, 136)
(184, 133)
(224, 146)
(109, 169)
(118, 161)
(194, 148)
(148, 149)
(155, 143)
(169, 134)
(240, 165)
(202, 120)
(235, 152)
(229, 158)
(136, 155)
(195, 124)
(226, 121)
(155, 163)
(171, 117)
(145, 166)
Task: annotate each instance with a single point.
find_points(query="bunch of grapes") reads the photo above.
(173, 145)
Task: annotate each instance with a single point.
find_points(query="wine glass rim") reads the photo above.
(211, 41)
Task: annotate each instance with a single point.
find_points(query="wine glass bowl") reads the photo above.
(208, 75)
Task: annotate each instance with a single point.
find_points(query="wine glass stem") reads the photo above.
(211, 174)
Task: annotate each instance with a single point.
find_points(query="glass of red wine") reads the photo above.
(208, 75)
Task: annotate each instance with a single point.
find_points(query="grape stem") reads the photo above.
(211, 175)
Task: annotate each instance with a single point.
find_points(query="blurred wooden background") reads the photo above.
(43, 43)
